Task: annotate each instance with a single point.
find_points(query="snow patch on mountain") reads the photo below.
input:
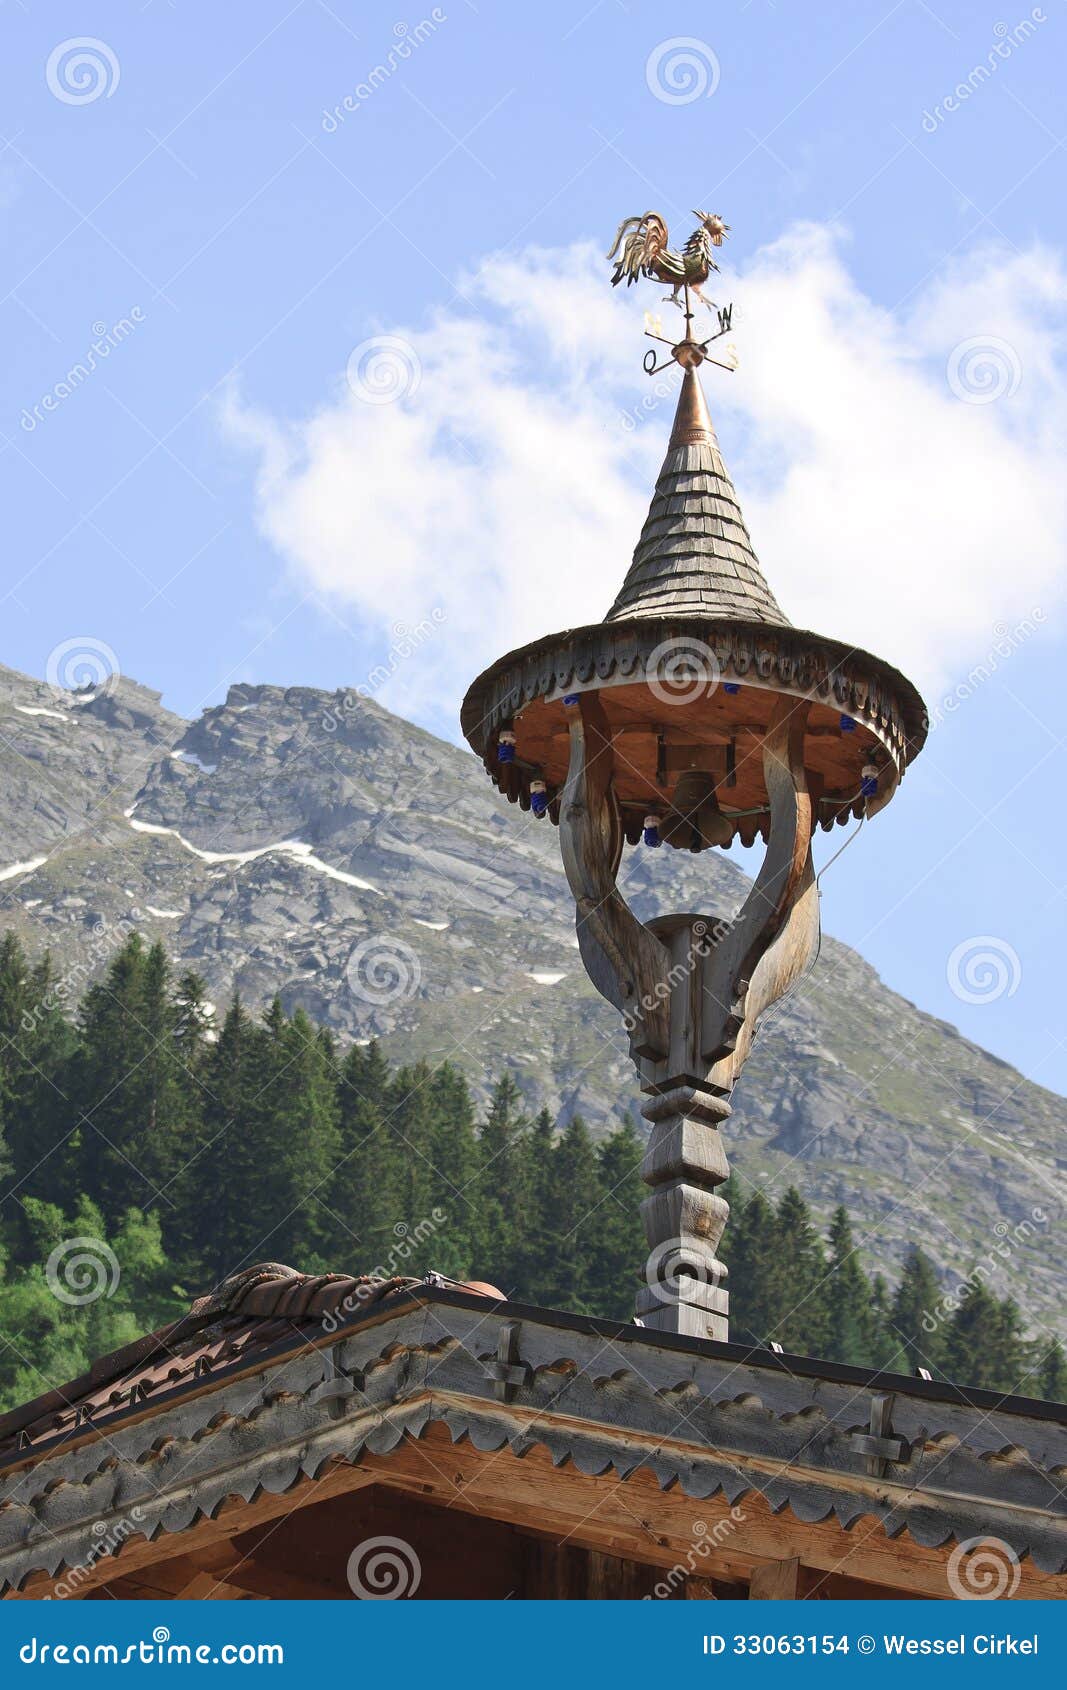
(295, 849)
(39, 710)
(22, 868)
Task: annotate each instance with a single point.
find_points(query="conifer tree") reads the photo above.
(297, 1103)
(501, 1198)
(223, 1194)
(454, 1158)
(126, 1082)
(982, 1345)
(915, 1324)
(576, 1203)
(616, 1224)
(799, 1279)
(537, 1243)
(751, 1241)
(1051, 1370)
(847, 1294)
(413, 1122)
(35, 1041)
(366, 1186)
(885, 1346)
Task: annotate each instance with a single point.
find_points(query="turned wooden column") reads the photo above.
(691, 989)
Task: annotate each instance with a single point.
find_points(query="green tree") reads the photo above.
(983, 1342)
(575, 1203)
(799, 1279)
(620, 1237)
(915, 1322)
(501, 1196)
(80, 1296)
(537, 1242)
(847, 1293)
(366, 1185)
(750, 1242)
(128, 1082)
(1051, 1370)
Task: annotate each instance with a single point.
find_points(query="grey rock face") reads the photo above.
(314, 845)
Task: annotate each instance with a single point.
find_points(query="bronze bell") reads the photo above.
(694, 820)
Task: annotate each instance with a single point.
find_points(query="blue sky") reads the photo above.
(216, 501)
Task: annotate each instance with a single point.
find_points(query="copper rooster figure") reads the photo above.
(645, 253)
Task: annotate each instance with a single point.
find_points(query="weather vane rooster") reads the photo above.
(645, 253)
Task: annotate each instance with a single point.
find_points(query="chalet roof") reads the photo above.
(694, 557)
(281, 1376)
(249, 1314)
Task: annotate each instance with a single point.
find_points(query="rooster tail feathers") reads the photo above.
(651, 229)
(624, 228)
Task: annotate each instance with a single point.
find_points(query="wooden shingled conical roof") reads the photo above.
(688, 665)
(694, 557)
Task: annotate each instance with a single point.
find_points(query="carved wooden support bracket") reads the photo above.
(692, 989)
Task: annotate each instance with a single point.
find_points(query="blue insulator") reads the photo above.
(570, 698)
(848, 726)
(869, 781)
(505, 746)
(538, 798)
(651, 831)
(731, 687)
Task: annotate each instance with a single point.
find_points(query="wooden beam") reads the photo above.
(775, 1581)
(638, 1521)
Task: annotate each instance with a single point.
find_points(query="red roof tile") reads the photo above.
(247, 1314)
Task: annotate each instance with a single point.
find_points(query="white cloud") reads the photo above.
(507, 490)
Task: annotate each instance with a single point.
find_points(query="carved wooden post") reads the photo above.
(696, 705)
(691, 989)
